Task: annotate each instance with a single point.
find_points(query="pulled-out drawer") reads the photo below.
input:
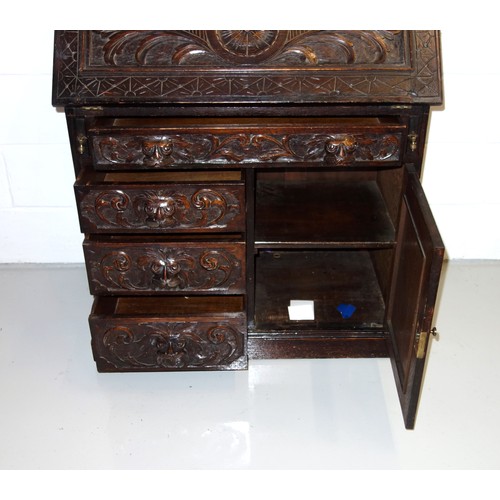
(168, 333)
(152, 143)
(161, 202)
(140, 265)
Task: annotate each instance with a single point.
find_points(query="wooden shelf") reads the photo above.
(329, 278)
(309, 214)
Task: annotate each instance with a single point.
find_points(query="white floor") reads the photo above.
(57, 412)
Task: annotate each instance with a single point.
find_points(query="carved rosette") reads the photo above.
(177, 209)
(171, 346)
(176, 269)
(245, 46)
(249, 147)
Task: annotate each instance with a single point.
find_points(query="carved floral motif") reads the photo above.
(251, 147)
(171, 345)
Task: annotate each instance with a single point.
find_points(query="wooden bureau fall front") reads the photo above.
(254, 194)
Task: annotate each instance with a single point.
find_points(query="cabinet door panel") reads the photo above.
(418, 262)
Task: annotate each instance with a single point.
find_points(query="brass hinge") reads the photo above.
(81, 143)
(413, 137)
(421, 340)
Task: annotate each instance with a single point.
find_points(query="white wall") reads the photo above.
(38, 220)
(462, 168)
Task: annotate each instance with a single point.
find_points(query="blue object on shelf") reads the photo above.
(346, 310)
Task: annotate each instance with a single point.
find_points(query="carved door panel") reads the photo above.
(418, 262)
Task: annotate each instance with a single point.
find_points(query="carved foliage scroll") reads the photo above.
(169, 346)
(166, 268)
(247, 148)
(164, 210)
(299, 48)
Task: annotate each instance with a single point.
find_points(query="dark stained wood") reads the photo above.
(107, 205)
(418, 265)
(174, 333)
(223, 173)
(142, 266)
(313, 212)
(262, 347)
(228, 66)
(390, 183)
(161, 143)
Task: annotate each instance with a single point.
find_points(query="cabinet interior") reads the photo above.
(327, 237)
(307, 208)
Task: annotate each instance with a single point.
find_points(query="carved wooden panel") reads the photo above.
(149, 208)
(185, 66)
(140, 268)
(226, 48)
(158, 345)
(160, 151)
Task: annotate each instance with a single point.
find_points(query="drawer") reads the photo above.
(161, 202)
(168, 333)
(141, 265)
(159, 143)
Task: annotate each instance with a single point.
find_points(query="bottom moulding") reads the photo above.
(309, 347)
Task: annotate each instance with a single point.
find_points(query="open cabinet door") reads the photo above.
(418, 261)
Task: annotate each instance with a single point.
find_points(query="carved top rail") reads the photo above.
(232, 66)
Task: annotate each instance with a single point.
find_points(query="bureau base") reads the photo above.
(223, 175)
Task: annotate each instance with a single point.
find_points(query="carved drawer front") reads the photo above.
(168, 333)
(141, 266)
(161, 202)
(125, 144)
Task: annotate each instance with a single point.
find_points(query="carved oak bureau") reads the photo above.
(254, 194)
